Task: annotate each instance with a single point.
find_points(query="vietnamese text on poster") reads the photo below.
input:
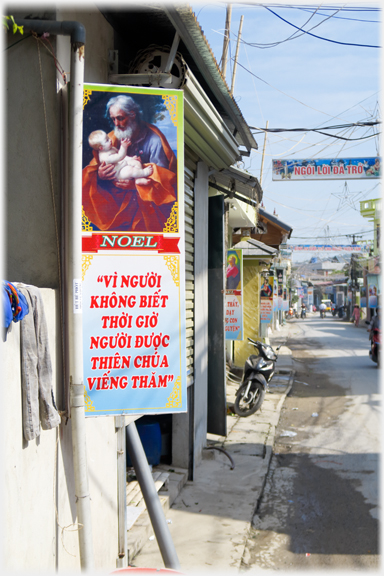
(133, 251)
(233, 296)
(327, 169)
(266, 300)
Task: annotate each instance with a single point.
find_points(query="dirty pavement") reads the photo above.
(210, 518)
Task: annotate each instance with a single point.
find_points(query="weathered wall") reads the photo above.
(31, 238)
(33, 180)
(251, 307)
(39, 475)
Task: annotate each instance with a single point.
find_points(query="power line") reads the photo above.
(337, 127)
(293, 36)
(333, 235)
(320, 37)
(337, 17)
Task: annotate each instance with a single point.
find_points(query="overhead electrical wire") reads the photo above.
(337, 127)
(358, 124)
(334, 235)
(331, 7)
(285, 94)
(320, 37)
(337, 17)
(293, 36)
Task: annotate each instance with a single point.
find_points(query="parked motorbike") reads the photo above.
(258, 372)
(291, 313)
(341, 312)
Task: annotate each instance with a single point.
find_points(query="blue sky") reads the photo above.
(306, 82)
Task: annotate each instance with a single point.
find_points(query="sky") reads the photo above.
(306, 82)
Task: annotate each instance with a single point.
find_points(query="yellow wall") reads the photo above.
(251, 311)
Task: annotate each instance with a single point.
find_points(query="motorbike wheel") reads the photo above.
(247, 406)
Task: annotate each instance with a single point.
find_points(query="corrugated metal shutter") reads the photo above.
(189, 182)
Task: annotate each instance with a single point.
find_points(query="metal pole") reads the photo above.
(262, 158)
(74, 309)
(122, 560)
(155, 510)
(224, 58)
(237, 54)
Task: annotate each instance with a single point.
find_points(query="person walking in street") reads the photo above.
(356, 315)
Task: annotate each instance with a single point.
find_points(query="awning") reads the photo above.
(255, 249)
(237, 183)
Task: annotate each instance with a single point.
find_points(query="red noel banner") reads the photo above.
(158, 243)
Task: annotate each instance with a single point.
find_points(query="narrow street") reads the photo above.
(319, 509)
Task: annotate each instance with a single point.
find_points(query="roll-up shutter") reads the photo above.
(189, 178)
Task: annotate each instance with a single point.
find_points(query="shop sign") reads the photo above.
(133, 263)
(234, 296)
(310, 296)
(372, 291)
(363, 297)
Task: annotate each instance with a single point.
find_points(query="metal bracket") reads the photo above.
(113, 61)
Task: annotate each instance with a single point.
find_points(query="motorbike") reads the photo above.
(292, 313)
(375, 346)
(375, 339)
(258, 372)
(340, 312)
(322, 313)
(303, 313)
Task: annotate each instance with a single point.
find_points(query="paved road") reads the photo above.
(320, 505)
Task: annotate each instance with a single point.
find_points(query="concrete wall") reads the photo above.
(39, 475)
(31, 238)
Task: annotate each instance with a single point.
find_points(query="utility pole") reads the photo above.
(237, 54)
(262, 158)
(224, 58)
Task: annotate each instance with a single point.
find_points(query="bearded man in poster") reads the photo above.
(115, 205)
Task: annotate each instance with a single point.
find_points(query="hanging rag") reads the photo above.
(36, 367)
(15, 306)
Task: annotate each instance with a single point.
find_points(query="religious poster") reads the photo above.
(133, 289)
(285, 299)
(233, 296)
(275, 301)
(327, 169)
(280, 281)
(266, 300)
